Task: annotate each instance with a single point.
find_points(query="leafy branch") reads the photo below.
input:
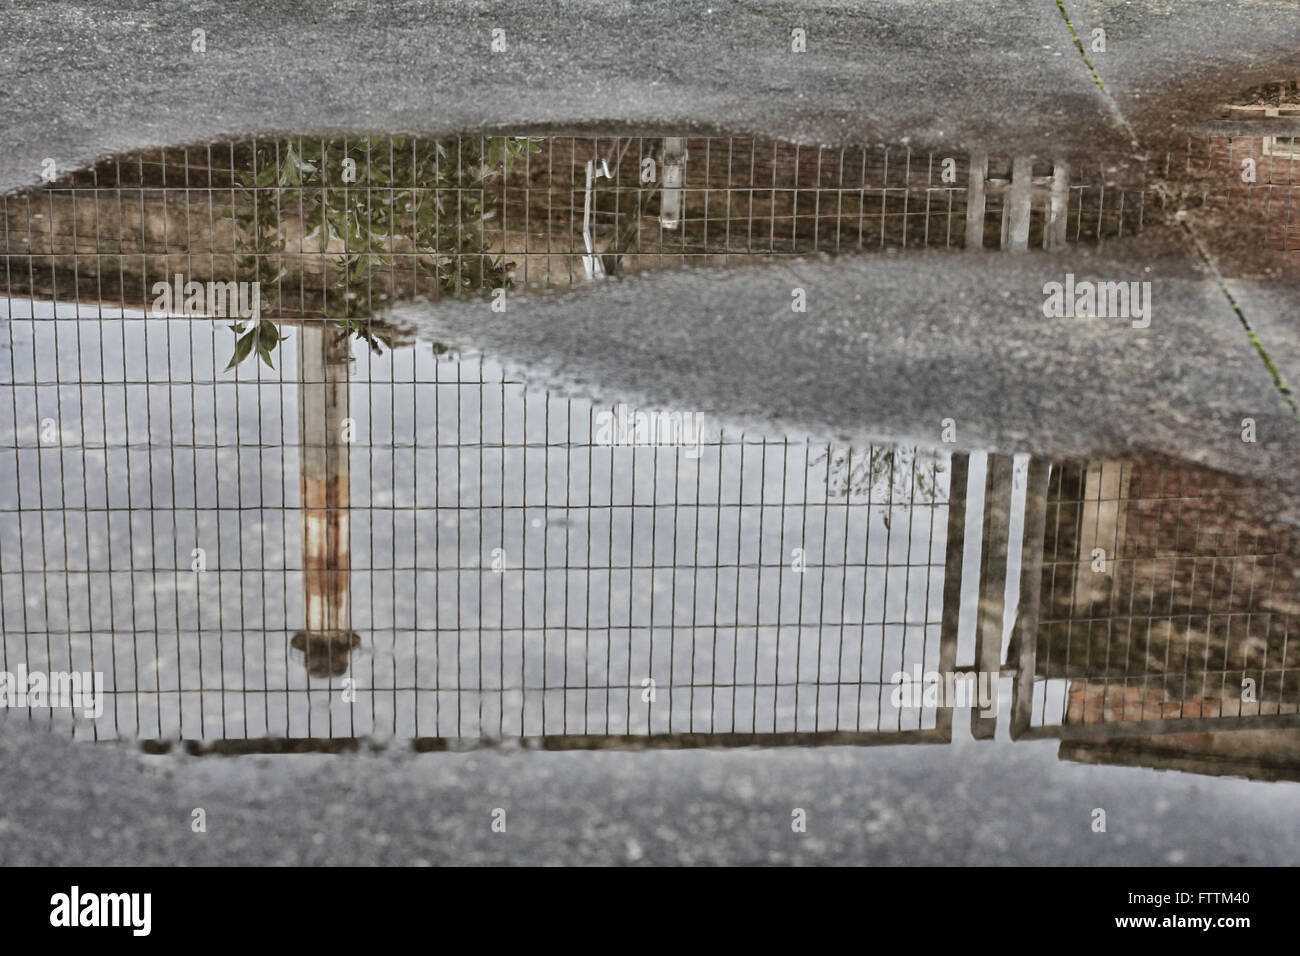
(360, 203)
(263, 335)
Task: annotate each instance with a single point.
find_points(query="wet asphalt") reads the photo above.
(985, 803)
(888, 347)
(79, 79)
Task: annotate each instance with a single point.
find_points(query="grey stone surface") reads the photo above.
(80, 79)
(987, 803)
(1233, 45)
(1272, 308)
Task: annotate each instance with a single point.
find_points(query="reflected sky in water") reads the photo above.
(618, 563)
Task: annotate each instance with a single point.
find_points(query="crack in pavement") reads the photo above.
(1286, 391)
(1110, 100)
(1283, 388)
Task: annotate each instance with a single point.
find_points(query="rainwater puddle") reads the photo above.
(260, 519)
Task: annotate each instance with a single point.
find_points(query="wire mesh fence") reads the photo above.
(366, 536)
(1249, 179)
(343, 227)
(493, 562)
(1166, 598)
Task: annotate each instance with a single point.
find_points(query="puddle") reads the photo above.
(346, 227)
(410, 547)
(271, 521)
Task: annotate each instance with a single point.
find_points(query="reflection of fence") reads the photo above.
(424, 217)
(677, 569)
(1246, 177)
(641, 590)
(485, 562)
(1165, 606)
(427, 217)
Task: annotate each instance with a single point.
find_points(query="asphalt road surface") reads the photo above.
(889, 346)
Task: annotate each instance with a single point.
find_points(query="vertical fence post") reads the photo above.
(1016, 207)
(324, 364)
(954, 551)
(1025, 636)
(993, 581)
(1057, 216)
(979, 171)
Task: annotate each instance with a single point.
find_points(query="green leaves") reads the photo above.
(243, 345)
(264, 336)
(429, 194)
(498, 151)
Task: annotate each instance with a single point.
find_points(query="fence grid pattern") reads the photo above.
(420, 217)
(1163, 590)
(621, 563)
(639, 591)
